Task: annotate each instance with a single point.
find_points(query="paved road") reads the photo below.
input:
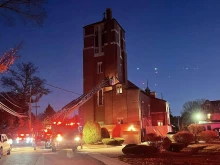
(29, 156)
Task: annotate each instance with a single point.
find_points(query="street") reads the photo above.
(22, 155)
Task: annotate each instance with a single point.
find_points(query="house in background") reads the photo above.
(212, 110)
(122, 103)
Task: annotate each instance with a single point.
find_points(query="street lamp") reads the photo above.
(198, 117)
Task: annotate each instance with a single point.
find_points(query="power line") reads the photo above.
(10, 101)
(5, 108)
(48, 84)
(62, 89)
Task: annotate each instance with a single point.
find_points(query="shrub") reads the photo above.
(166, 143)
(195, 129)
(130, 145)
(119, 141)
(176, 147)
(208, 135)
(153, 139)
(91, 132)
(115, 141)
(108, 141)
(116, 132)
(104, 133)
(139, 150)
(184, 137)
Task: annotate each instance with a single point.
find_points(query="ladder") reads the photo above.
(73, 105)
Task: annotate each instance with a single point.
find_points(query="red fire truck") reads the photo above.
(63, 135)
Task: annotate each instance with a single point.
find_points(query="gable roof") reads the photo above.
(132, 85)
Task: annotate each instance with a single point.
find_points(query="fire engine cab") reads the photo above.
(62, 135)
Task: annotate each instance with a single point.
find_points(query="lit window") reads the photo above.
(99, 67)
(209, 116)
(160, 123)
(119, 89)
(100, 97)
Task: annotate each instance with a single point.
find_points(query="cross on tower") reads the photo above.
(104, 16)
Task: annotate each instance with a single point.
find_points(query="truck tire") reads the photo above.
(53, 149)
(74, 148)
(47, 145)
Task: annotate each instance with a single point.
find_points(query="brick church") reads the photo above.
(137, 111)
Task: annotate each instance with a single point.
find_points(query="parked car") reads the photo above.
(5, 145)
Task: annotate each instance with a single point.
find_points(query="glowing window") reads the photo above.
(99, 67)
(159, 123)
(119, 89)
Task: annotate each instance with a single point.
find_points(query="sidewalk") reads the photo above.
(107, 160)
(106, 154)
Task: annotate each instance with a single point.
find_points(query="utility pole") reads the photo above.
(29, 112)
(36, 106)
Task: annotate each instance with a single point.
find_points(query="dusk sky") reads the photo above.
(178, 39)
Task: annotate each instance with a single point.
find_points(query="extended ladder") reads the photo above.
(73, 105)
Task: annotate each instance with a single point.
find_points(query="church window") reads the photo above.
(100, 97)
(99, 68)
(119, 89)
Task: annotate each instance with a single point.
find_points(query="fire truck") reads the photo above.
(63, 135)
(59, 132)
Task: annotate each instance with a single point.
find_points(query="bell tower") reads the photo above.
(104, 55)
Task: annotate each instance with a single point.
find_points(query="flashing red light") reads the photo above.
(54, 122)
(22, 134)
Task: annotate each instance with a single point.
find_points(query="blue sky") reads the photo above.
(178, 37)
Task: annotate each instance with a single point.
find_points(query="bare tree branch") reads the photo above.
(29, 9)
(7, 59)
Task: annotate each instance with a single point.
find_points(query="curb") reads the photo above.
(107, 160)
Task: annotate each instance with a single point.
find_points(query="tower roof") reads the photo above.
(107, 16)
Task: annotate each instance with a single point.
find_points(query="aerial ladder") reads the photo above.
(75, 104)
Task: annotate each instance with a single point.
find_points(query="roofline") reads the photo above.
(153, 97)
(104, 22)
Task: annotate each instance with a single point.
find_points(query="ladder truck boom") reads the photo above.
(73, 105)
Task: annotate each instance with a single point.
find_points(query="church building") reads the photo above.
(137, 111)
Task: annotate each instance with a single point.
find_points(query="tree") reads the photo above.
(31, 10)
(195, 129)
(8, 58)
(174, 121)
(28, 9)
(49, 111)
(190, 109)
(24, 85)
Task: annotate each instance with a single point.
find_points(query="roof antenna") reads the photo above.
(104, 16)
(162, 96)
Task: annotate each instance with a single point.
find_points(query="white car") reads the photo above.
(5, 145)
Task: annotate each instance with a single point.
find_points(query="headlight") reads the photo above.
(59, 138)
(9, 141)
(77, 138)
